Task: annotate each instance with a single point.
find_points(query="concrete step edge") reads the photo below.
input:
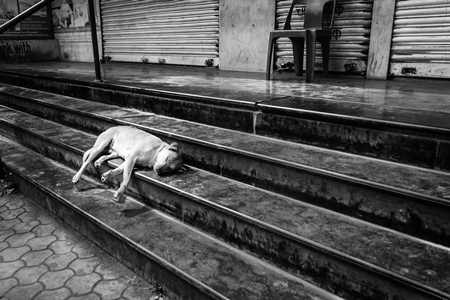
(191, 287)
(305, 168)
(318, 248)
(440, 205)
(416, 146)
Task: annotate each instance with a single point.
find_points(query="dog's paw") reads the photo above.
(119, 197)
(75, 178)
(97, 163)
(105, 176)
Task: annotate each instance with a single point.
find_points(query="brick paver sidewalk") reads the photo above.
(42, 259)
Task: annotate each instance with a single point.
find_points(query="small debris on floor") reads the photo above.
(6, 185)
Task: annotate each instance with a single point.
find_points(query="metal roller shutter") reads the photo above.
(421, 39)
(161, 31)
(351, 33)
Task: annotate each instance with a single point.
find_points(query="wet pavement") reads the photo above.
(409, 100)
(43, 259)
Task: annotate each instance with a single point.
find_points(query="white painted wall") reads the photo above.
(76, 43)
(29, 50)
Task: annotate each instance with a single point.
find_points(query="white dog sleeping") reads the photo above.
(136, 147)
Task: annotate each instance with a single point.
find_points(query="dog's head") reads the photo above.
(169, 159)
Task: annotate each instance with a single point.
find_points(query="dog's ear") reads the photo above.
(174, 147)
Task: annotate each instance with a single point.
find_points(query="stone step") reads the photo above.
(345, 126)
(344, 255)
(408, 199)
(187, 263)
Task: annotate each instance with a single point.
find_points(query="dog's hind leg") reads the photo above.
(103, 140)
(103, 158)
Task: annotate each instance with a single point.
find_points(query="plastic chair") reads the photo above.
(312, 31)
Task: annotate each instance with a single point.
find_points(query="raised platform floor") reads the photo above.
(420, 102)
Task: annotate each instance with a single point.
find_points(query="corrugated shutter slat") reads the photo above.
(157, 31)
(421, 39)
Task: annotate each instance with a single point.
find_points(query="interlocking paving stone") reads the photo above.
(56, 279)
(30, 275)
(26, 292)
(17, 203)
(83, 266)
(86, 297)
(20, 239)
(9, 268)
(44, 219)
(25, 226)
(6, 234)
(42, 259)
(83, 284)
(11, 254)
(60, 261)
(83, 251)
(5, 200)
(61, 247)
(135, 292)
(41, 243)
(37, 257)
(44, 230)
(11, 213)
(3, 245)
(106, 272)
(61, 293)
(63, 235)
(29, 216)
(111, 289)
(7, 224)
(6, 285)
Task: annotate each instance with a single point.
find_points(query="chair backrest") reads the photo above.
(313, 13)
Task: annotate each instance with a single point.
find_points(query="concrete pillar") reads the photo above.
(380, 39)
(244, 34)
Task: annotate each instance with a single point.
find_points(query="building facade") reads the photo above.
(374, 38)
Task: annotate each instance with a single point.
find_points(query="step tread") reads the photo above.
(424, 182)
(228, 271)
(399, 253)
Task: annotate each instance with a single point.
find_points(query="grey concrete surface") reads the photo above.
(42, 259)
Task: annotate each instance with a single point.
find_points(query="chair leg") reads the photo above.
(310, 54)
(298, 47)
(269, 57)
(326, 55)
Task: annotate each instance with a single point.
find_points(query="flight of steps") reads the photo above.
(254, 217)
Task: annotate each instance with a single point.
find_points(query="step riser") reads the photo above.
(421, 147)
(226, 117)
(328, 270)
(367, 139)
(406, 213)
(116, 246)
